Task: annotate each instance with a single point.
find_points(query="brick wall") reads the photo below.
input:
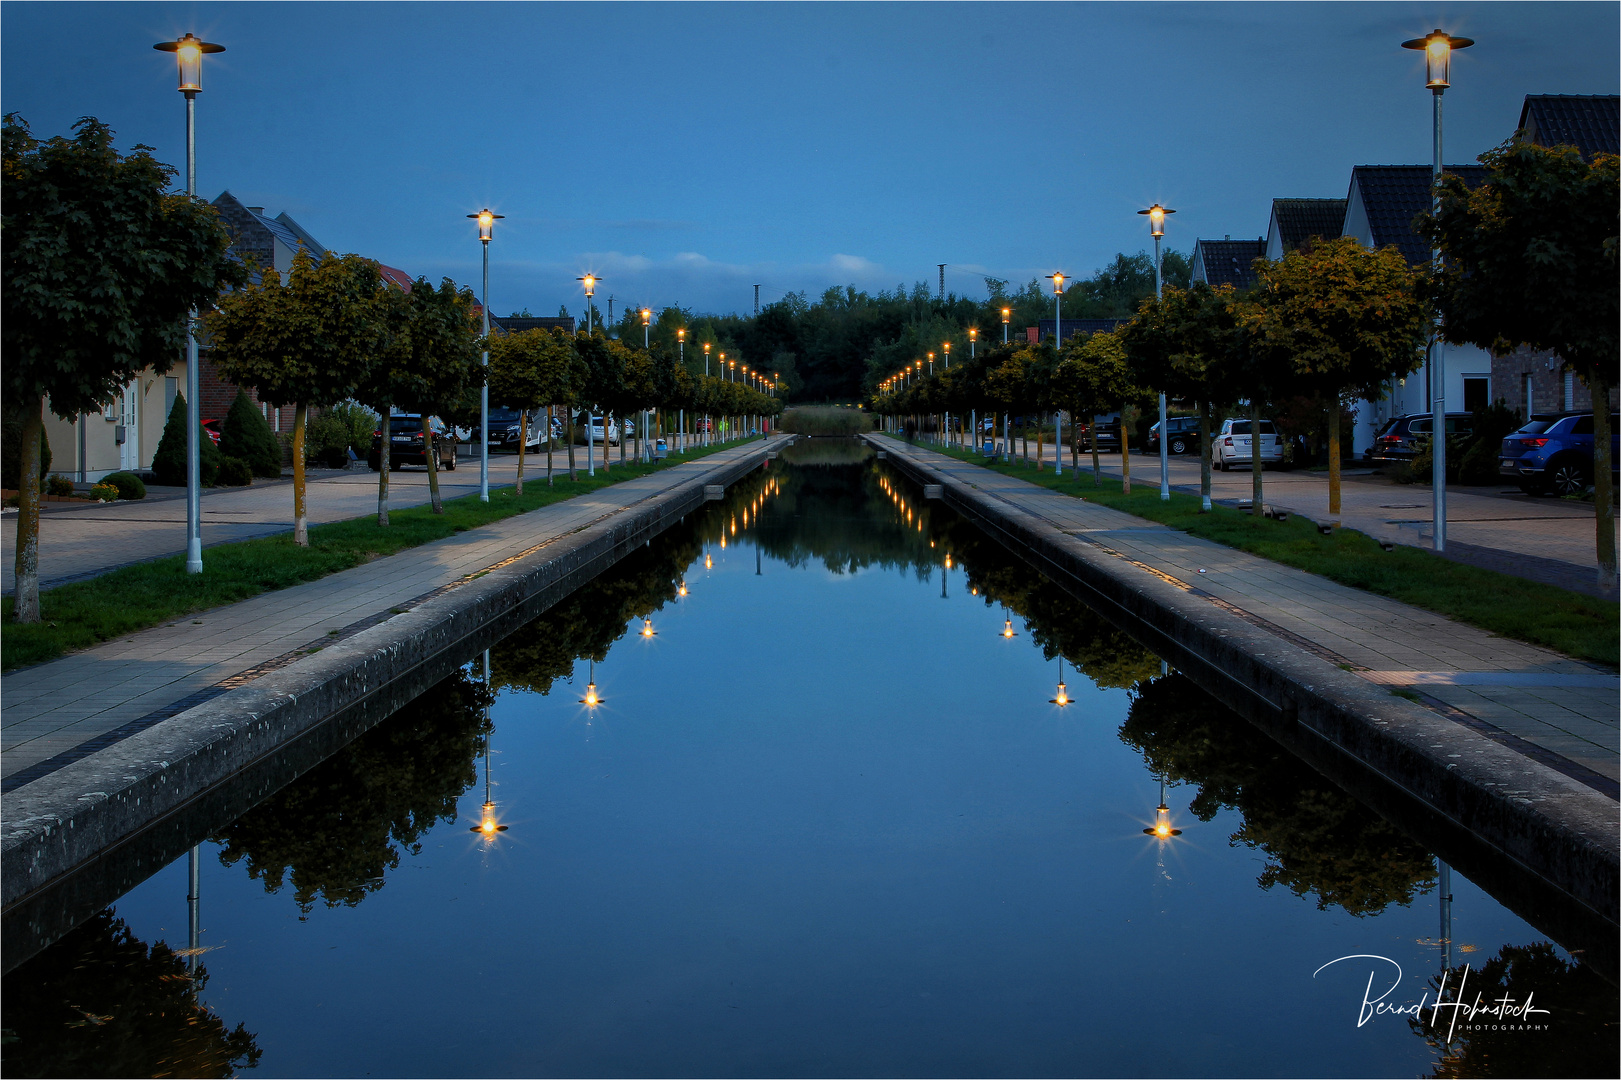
(1547, 378)
(217, 395)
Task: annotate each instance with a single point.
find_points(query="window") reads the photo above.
(1570, 390)
(1583, 426)
(1476, 392)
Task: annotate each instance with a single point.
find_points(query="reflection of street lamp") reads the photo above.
(591, 700)
(1162, 818)
(647, 628)
(188, 53)
(486, 232)
(1437, 48)
(1156, 225)
(1063, 695)
(1007, 626)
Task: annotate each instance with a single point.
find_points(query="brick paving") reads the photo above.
(1564, 706)
(57, 708)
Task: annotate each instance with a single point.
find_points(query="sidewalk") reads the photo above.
(1555, 709)
(1496, 527)
(82, 539)
(62, 710)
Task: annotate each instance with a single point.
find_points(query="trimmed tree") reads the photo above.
(169, 460)
(1531, 258)
(1094, 375)
(312, 341)
(102, 266)
(443, 366)
(247, 435)
(1346, 320)
(529, 371)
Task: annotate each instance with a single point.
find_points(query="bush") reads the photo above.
(11, 437)
(104, 491)
(128, 484)
(234, 472)
(824, 421)
(58, 485)
(247, 435)
(359, 421)
(169, 463)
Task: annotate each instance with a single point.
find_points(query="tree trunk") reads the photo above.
(1603, 489)
(1334, 455)
(1125, 450)
(26, 567)
(1205, 450)
(1097, 466)
(523, 438)
(385, 463)
(572, 474)
(1075, 446)
(1040, 450)
(433, 467)
(1024, 437)
(1257, 508)
(549, 441)
(301, 525)
(641, 437)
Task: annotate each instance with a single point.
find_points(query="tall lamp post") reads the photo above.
(1156, 225)
(1007, 317)
(646, 452)
(1437, 47)
(1058, 344)
(188, 53)
(590, 283)
(486, 233)
(681, 413)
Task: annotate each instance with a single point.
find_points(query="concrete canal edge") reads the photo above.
(90, 810)
(1402, 758)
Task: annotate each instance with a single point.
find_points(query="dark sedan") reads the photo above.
(1184, 435)
(406, 445)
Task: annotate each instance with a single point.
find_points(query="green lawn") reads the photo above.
(122, 601)
(1576, 625)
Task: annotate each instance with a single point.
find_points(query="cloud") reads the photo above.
(854, 264)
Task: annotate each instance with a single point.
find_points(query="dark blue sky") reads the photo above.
(686, 151)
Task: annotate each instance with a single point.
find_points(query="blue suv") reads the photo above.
(1554, 452)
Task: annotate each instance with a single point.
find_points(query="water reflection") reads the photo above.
(336, 831)
(101, 1002)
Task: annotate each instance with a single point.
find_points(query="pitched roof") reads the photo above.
(395, 277)
(1047, 327)
(1393, 195)
(1301, 219)
(315, 247)
(517, 324)
(1228, 262)
(1590, 123)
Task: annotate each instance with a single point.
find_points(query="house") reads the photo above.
(1226, 261)
(1046, 328)
(1296, 221)
(517, 324)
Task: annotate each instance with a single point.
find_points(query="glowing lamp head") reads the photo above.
(1161, 829)
(591, 698)
(1156, 215)
(1058, 281)
(681, 589)
(1007, 628)
(486, 223)
(188, 53)
(973, 333)
(1007, 314)
(647, 317)
(681, 333)
(709, 561)
(647, 628)
(1438, 47)
(707, 347)
(1063, 696)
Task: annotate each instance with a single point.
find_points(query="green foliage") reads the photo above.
(1491, 425)
(100, 235)
(1187, 344)
(234, 472)
(169, 461)
(327, 439)
(807, 420)
(438, 364)
(58, 485)
(128, 484)
(11, 434)
(358, 424)
(336, 831)
(532, 369)
(101, 1002)
(247, 435)
(104, 492)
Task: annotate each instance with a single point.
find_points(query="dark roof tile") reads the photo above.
(1590, 123)
(1301, 219)
(1230, 262)
(1393, 195)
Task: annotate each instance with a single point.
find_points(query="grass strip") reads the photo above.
(1580, 626)
(122, 601)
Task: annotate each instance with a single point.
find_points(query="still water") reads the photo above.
(826, 819)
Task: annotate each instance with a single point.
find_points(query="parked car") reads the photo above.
(1400, 438)
(1554, 453)
(597, 433)
(1108, 434)
(406, 444)
(504, 430)
(214, 428)
(1184, 435)
(1232, 447)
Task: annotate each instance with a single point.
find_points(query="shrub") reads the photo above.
(169, 463)
(234, 472)
(359, 421)
(104, 491)
(326, 433)
(128, 484)
(824, 421)
(247, 435)
(11, 437)
(58, 485)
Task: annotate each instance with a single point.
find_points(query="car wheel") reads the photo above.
(1218, 463)
(449, 465)
(1567, 478)
(1178, 446)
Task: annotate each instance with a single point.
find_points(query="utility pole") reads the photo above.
(757, 301)
(610, 313)
(942, 280)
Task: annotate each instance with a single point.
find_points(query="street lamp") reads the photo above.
(590, 282)
(1156, 225)
(1437, 47)
(973, 339)
(486, 232)
(681, 413)
(1162, 818)
(645, 452)
(1007, 317)
(188, 52)
(1058, 343)
(931, 364)
(1062, 699)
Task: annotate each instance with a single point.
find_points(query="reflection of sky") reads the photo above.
(819, 831)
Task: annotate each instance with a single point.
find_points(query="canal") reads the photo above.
(821, 782)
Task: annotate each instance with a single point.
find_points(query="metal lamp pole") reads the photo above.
(1058, 343)
(641, 436)
(590, 282)
(486, 232)
(188, 52)
(1156, 224)
(1007, 316)
(681, 413)
(1438, 48)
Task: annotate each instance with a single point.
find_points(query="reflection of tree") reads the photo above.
(589, 620)
(1578, 1036)
(334, 830)
(100, 1002)
(1319, 840)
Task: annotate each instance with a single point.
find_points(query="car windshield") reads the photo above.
(1242, 427)
(1535, 427)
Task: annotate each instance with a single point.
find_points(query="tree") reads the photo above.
(531, 370)
(1346, 319)
(102, 265)
(1184, 344)
(246, 435)
(1531, 258)
(1094, 376)
(309, 342)
(442, 363)
(169, 460)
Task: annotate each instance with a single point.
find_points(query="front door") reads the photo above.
(129, 451)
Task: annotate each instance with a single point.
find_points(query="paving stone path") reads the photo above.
(61, 710)
(1560, 706)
